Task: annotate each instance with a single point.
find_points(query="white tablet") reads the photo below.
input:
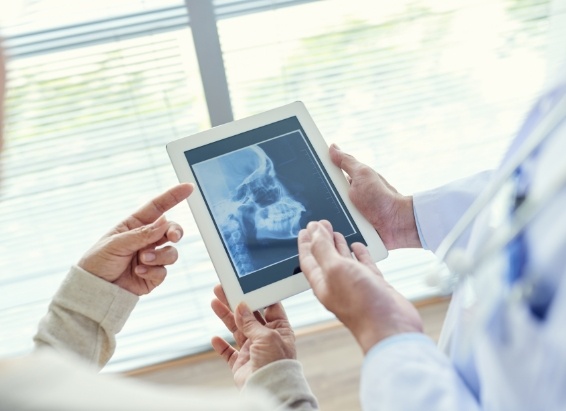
(259, 181)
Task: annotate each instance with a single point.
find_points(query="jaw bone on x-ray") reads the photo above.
(251, 206)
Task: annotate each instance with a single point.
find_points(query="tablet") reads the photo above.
(259, 180)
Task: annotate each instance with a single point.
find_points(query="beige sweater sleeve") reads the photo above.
(49, 381)
(84, 317)
(285, 380)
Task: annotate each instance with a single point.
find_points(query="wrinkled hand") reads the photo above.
(129, 256)
(355, 291)
(388, 211)
(262, 339)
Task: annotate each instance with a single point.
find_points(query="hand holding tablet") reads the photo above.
(259, 181)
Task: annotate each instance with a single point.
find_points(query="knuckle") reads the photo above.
(364, 171)
(145, 231)
(159, 206)
(272, 337)
(334, 267)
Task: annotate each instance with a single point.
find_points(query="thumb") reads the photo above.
(141, 237)
(248, 323)
(345, 161)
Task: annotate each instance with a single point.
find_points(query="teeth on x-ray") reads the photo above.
(280, 220)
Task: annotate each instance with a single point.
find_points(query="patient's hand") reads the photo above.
(261, 339)
(130, 255)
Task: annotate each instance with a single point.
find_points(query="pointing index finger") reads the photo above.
(155, 208)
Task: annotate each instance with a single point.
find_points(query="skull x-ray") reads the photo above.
(261, 189)
(251, 206)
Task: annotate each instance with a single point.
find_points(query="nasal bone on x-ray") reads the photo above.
(256, 206)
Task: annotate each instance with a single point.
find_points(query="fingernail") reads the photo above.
(336, 146)
(244, 310)
(178, 234)
(312, 226)
(148, 257)
(140, 269)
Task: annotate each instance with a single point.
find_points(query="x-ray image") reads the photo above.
(251, 206)
(261, 190)
(258, 182)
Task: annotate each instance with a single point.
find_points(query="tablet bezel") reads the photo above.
(293, 284)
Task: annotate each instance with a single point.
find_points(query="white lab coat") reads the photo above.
(498, 355)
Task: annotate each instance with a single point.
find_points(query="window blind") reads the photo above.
(413, 89)
(90, 108)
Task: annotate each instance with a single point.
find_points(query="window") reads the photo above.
(96, 92)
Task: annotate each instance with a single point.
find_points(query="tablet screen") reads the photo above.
(261, 187)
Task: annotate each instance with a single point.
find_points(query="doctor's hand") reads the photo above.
(388, 211)
(354, 290)
(260, 339)
(131, 254)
